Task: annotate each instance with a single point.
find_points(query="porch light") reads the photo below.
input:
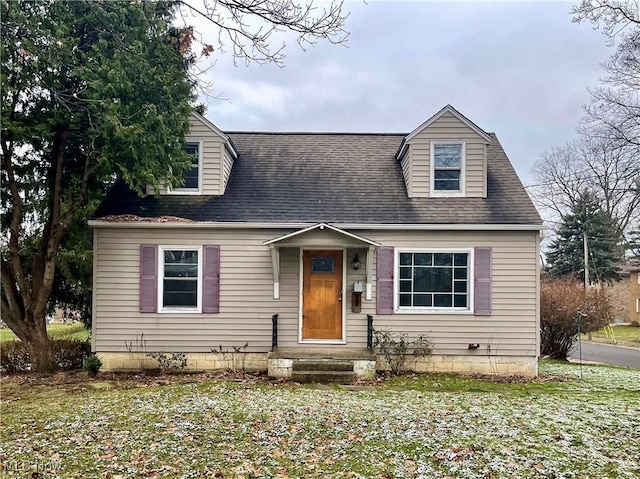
(356, 262)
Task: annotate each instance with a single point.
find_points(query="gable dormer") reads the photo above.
(212, 155)
(446, 156)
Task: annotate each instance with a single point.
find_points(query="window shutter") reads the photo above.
(211, 279)
(482, 292)
(148, 278)
(384, 280)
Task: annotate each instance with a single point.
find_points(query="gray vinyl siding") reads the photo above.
(406, 172)
(246, 293)
(448, 127)
(212, 148)
(246, 290)
(512, 327)
(211, 156)
(226, 168)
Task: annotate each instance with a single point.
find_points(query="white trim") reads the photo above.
(320, 226)
(447, 109)
(413, 310)
(160, 283)
(191, 191)
(360, 226)
(275, 267)
(432, 168)
(343, 340)
(94, 296)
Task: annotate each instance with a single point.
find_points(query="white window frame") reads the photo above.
(433, 310)
(174, 309)
(637, 305)
(432, 173)
(191, 191)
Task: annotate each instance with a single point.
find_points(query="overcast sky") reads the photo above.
(518, 69)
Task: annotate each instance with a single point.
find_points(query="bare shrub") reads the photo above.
(565, 306)
(399, 350)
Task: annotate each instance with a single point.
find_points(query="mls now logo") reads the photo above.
(15, 465)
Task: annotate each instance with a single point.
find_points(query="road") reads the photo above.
(604, 353)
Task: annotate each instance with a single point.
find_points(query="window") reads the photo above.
(180, 282)
(192, 176)
(447, 168)
(434, 280)
(638, 305)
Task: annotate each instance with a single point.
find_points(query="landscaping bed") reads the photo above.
(420, 426)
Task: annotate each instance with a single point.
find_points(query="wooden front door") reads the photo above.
(322, 294)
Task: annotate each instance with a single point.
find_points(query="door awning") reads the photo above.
(321, 226)
(340, 238)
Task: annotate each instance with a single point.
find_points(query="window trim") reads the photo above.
(469, 310)
(432, 169)
(191, 191)
(160, 282)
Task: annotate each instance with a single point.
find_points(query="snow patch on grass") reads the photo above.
(568, 429)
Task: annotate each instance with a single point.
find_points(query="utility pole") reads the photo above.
(586, 260)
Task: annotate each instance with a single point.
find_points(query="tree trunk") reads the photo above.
(40, 347)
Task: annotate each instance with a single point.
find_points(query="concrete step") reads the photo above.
(322, 365)
(323, 353)
(339, 377)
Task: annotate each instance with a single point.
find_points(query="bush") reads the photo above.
(14, 357)
(635, 324)
(565, 306)
(69, 354)
(169, 361)
(397, 348)
(92, 365)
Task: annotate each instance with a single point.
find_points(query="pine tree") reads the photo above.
(566, 254)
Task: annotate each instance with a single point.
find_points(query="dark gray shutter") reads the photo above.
(482, 291)
(148, 278)
(211, 279)
(384, 280)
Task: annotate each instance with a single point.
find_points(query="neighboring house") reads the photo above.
(429, 232)
(634, 294)
(625, 294)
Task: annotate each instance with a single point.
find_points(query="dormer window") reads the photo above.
(192, 177)
(447, 168)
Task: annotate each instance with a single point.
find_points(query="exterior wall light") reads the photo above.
(355, 264)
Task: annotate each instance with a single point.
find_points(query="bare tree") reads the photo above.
(607, 168)
(247, 29)
(614, 112)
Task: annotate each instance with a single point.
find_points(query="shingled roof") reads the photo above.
(331, 178)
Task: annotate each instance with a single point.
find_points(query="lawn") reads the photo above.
(430, 426)
(622, 333)
(58, 331)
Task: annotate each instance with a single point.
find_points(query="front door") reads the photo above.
(322, 294)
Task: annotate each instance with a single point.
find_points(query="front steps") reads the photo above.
(337, 365)
(322, 371)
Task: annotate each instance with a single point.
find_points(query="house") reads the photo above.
(625, 294)
(308, 241)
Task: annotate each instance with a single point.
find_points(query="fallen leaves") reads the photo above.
(186, 428)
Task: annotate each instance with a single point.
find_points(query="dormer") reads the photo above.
(446, 156)
(212, 155)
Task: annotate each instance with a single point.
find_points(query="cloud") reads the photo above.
(519, 69)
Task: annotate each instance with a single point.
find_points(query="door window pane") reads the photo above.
(323, 265)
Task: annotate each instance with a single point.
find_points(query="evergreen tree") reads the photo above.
(91, 91)
(633, 245)
(566, 254)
